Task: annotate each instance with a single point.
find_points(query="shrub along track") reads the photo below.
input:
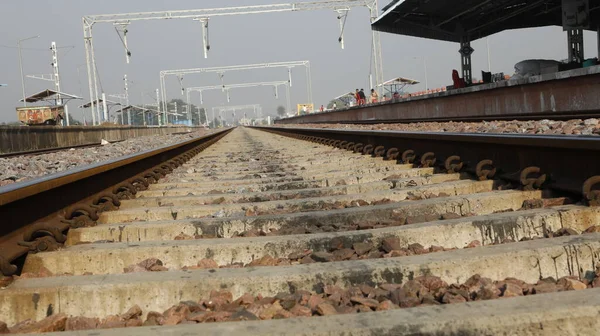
(415, 233)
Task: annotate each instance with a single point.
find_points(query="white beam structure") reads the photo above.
(341, 7)
(228, 87)
(222, 70)
(257, 108)
(44, 77)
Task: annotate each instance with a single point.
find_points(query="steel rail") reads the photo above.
(358, 111)
(54, 149)
(508, 117)
(35, 214)
(560, 165)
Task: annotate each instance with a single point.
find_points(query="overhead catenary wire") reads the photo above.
(123, 41)
(345, 16)
(43, 49)
(207, 36)
(180, 79)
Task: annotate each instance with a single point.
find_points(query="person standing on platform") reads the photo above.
(374, 96)
(363, 97)
(357, 97)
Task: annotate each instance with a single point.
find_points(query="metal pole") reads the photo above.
(86, 41)
(176, 113)
(122, 118)
(57, 80)
(187, 101)
(105, 106)
(377, 54)
(205, 36)
(487, 42)
(205, 115)
(158, 105)
(143, 110)
(81, 92)
(22, 77)
(94, 72)
(309, 83)
(127, 100)
(163, 115)
(426, 80)
(160, 100)
(21, 65)
(213, 118)
(288, 98)
(342, 21)
(125, 42)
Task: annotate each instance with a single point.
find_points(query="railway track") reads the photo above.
(58, 149)
(355, 232)
(51, 150)
(355, 118)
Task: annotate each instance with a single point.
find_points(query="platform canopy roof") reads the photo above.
(126, 108)
(345, 95)
(99, 102)
(400, 81)
(449, 20)
(47, 95)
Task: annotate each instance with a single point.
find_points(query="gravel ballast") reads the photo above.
(548, 127)
(22, 168)
(327, 300)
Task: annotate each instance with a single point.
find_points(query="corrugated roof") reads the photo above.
(449, 20)
(401, 80)
(98, 103)
(48, 95)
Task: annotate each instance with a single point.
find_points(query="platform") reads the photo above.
(567, 94)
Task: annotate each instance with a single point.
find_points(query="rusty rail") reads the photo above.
(559, 165)
(356, 115)
(35, 215)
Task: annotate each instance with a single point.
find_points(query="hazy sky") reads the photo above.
(175, 44)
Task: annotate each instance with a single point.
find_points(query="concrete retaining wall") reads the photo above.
(15, 139)
(562, 94)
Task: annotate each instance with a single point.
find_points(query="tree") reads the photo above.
(281, 111)
(73, 121)
(198, 111)
(338, 102)
(215, 123)
(183, 108)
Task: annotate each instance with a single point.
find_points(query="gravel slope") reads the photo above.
(570, 127)
(21, 168)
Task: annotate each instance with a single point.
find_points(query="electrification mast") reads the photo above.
(122, 21)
